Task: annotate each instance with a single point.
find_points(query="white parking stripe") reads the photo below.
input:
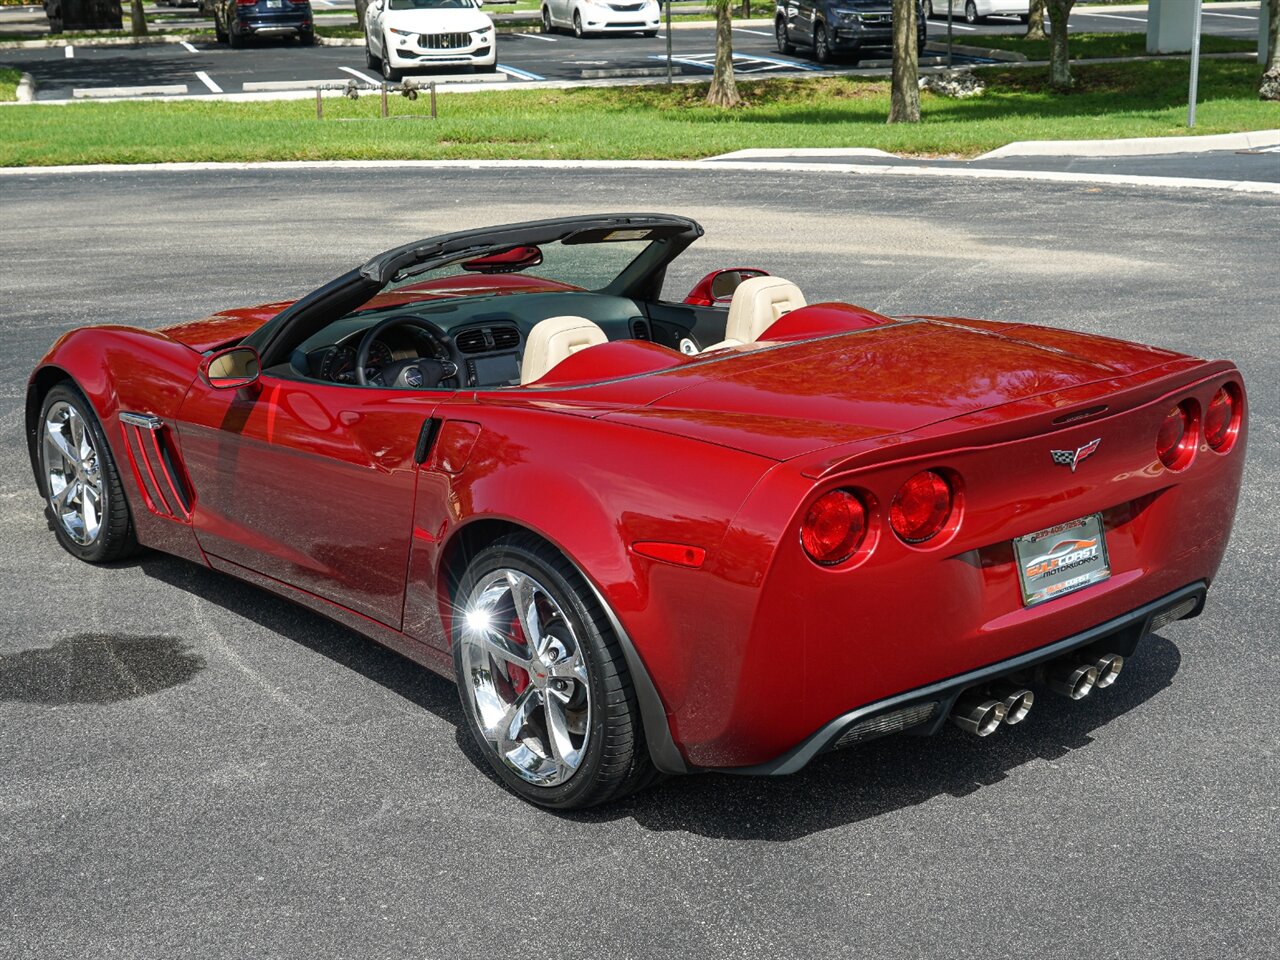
(1233, 16)
(758, 33)
(204, 78)
(942, 28)
(361, 76)
(69, 51)
(189, 47)
(535, 36)
(1112, 16)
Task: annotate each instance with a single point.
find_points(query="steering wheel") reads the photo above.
(420, 373)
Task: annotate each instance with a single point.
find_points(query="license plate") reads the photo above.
(1061, 559)
(274, 4)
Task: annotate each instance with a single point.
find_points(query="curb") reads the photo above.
(26, 91)
(843, 169)
(1137, 147)
(987, 53)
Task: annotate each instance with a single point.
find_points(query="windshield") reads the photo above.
(499, 271)
(431, 4)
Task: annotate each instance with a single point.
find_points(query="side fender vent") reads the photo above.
(166, 490)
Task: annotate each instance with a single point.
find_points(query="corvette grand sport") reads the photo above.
(647, 535)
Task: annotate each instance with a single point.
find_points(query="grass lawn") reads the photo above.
(1115, 100)
(1090, 45)
(9, 77)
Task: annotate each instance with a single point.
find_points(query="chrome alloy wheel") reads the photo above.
(73, 475)
(525, 677)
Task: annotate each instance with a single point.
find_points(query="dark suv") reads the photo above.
(235, 21)
(846, 28)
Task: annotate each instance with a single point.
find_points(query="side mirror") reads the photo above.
(719, 285)
(231, 368)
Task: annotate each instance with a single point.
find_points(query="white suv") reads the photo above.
(601, 16)
(405, 35)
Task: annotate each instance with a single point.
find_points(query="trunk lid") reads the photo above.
(786, 401)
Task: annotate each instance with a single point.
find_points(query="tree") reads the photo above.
(724, 89)
(1270, 88)
(904, 102)
(137, 19)
(361, 7)
(1035, 21)
(1059, 56)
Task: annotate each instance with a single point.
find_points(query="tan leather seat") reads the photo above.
(553, 339)
(756, 304)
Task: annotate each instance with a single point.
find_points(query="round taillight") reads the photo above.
(1222, 419)
(833, 527)
(1176, 439)
(921, 507)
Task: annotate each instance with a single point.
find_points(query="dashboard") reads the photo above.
(477, 341)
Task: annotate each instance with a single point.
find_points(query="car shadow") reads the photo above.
(836, 789)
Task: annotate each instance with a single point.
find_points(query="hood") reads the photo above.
(785, 401)
(223, 329)
(437, 21)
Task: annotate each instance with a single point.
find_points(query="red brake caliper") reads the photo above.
(519, 676)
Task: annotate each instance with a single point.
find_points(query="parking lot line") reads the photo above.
(518, 73)
(69, 51)
(1232, 16)
(361, 76)
(205, 79)
(189, 47)
(758, 33)
(1113, 16)
(535, 36)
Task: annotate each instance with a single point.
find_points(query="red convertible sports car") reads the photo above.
(647, 536)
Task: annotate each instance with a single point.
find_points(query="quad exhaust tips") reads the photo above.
(978, 714)
(1109, 666)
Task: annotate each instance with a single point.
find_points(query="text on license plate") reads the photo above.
(1061, 559)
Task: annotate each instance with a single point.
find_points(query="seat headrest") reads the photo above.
(553, 339)
(757, 303)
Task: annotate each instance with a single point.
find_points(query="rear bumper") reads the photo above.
(925, 710)
(272, 26)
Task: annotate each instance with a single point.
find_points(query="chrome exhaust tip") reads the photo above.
(1071, 678)
(1017, 702)
(978, 714)
(1108, 667)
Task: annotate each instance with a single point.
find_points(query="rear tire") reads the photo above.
(546, 21)
(577, 25)
(559, 743)
(971, 13)
(307, 38)
(84, 498)
(234, 40)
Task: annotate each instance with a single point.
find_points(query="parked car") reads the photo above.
(586, 17)
(849, 29)
(236, 21)
(412, 35)
(648, 535)
(976, 11)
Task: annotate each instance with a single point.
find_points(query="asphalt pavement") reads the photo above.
(194, 768)
(198, 68)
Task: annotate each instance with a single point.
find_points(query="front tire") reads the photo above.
(971, 13)
(84, 498)
(577, 25)
(546, 21)
(544, 685)
(821, 46)
(780, 36)
(389, 73)
(370, 61)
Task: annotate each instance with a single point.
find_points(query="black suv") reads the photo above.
(846, 28)
(235, 21)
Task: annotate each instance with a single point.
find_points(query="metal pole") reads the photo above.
(1195, 69)
(433, 99)
(669, 81)
(384, 99)
(950, 14)
(319, 105)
